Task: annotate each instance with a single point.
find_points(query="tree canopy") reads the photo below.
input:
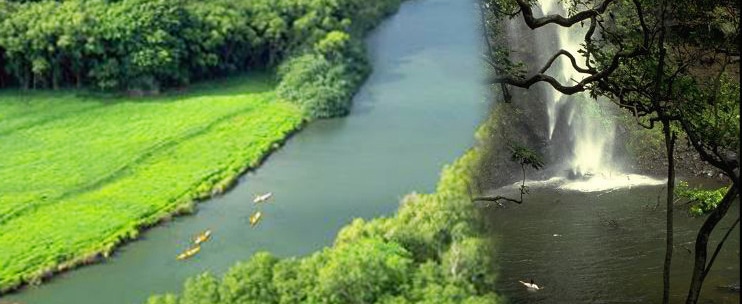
(143, 45)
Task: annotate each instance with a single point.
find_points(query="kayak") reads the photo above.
(262, 198)
(255, 218)
(189, 253)
(203, 237)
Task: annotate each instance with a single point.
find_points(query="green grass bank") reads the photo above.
(81, 174)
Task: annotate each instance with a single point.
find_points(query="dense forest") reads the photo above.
(142, 46)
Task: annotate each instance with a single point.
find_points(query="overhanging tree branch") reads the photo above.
(595, 75)
(496, 199)
(580, 86)
(725, 165)
(718, 248)
(701, 250)
(571, 59)
(534, 22)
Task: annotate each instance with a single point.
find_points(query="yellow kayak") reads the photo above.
(255, 218)
(203, 237)
(189, 253)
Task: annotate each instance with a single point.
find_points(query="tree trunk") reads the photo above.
(490, 53)
(25, 78)
(700, 269)
(56, 74)
(669, 244)
(669, 146)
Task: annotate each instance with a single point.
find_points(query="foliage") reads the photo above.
(250, 282)
(202, 289)
(430, 252)
(712, 113)
(324, 79)
(163, 299)
(143, 44)
(362, 271)
(643, 145)
(323, 87)
(146, 45)
(526, 157)
(703, 201)
(85, 154)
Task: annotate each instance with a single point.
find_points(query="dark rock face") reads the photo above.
(687, 162)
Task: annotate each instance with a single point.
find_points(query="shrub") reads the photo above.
(324, 84)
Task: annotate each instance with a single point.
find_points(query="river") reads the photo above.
(417, 112)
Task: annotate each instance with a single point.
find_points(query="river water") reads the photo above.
(417, 111)
(603, 247)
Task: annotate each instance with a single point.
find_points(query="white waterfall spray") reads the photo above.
(591, 133)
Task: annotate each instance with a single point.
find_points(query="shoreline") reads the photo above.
(183, 206)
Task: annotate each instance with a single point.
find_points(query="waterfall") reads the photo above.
(591, 134)
(580, 135)
(577, 133)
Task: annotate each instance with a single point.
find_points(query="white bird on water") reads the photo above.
(531, 286)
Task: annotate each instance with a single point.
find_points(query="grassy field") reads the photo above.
(79, 174)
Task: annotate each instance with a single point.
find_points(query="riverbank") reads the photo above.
(85, 155)
(432, 250)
